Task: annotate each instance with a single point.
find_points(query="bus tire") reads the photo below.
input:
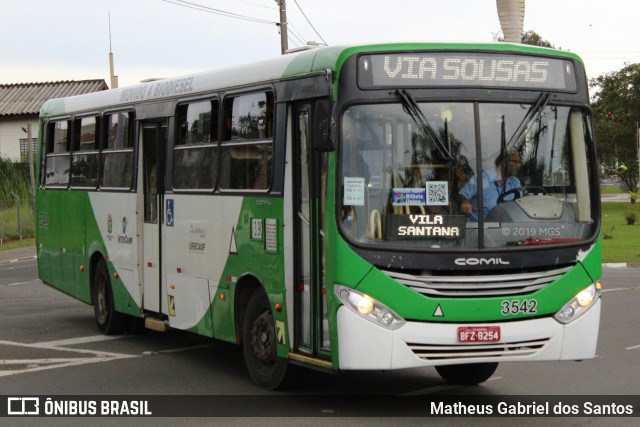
(108, 320)
(259, 346)
(467, 374)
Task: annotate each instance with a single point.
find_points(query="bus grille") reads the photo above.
(478, 286)
(473, 351)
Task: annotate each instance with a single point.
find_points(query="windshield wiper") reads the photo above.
(532, 241)
(542, 102)
(412, 108)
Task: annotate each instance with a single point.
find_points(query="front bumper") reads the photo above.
(365, 345)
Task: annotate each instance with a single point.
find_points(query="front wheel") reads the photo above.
(467, 374)
(259, 346)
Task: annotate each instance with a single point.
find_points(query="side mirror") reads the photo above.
(324, 126)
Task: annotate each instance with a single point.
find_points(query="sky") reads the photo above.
(44, 40)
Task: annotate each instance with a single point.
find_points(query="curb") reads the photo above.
(11, 261)
(621, 265)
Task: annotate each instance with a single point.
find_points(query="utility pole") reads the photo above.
(284, 38)
(112, 77)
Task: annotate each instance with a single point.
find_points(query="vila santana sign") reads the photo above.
(425, 226)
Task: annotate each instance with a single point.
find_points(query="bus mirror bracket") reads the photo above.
(324, 126)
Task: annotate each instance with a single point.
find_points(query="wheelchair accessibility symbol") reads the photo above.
(169, 213)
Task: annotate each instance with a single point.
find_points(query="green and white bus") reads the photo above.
(308, 208)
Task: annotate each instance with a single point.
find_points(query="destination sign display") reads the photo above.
(425, 226)
(440, 69)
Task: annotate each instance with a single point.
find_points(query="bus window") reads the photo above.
(117, 151)
(57, 157)
(84, 160)
(195, 155)
(247, 150)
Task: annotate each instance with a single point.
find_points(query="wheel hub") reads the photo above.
(263, 338)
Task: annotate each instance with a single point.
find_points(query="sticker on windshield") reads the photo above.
(437, 193)
(353, 191)
(409, 197)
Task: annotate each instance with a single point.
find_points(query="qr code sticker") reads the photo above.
(437, 193)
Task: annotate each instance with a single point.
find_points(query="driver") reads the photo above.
(495, 182)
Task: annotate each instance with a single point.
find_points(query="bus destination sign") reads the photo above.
(425, 226)
(440, 69)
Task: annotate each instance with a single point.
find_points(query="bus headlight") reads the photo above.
(579, 304)
(368, 308)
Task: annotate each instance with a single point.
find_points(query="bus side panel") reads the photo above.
(72, 234)
(198, 241)
(53, 243)
(49, 238)
(82, 255)
(112, 230)
(259, 253)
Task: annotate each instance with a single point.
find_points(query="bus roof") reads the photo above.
(285, 67)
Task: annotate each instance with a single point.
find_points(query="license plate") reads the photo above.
(478, 333)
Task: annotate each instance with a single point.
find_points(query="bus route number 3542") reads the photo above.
(525, 306)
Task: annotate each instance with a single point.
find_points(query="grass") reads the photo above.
(15, 244)
(611, 189)
(622, 246)
(9, 223)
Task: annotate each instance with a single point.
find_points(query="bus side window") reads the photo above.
(247, 149)
(117, 151)
(84, 159)
(195, 154)
(58, 151)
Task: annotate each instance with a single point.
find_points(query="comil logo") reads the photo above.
(23, 406)
(481, 261)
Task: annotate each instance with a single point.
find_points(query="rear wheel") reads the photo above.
(109, 321)
(467, 374)
(259, 346)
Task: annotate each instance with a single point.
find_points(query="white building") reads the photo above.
(20, 106)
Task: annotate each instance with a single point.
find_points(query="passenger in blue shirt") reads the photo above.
(494, 184)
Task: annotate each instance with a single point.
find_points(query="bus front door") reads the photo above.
(309, 184)
(154, 139)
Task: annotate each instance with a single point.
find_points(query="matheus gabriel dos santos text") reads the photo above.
(532, 408)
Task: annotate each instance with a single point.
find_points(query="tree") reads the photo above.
(616, 109)
(535, 39)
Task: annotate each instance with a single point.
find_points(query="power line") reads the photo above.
(214, 11)
(220, 12)
(259, 5)
(293, 33)
(305, 17)
(293, 42)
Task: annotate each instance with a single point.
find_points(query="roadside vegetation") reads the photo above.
(14, 188)
(621, 231)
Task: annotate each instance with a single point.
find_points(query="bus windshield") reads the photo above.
(465, 175)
